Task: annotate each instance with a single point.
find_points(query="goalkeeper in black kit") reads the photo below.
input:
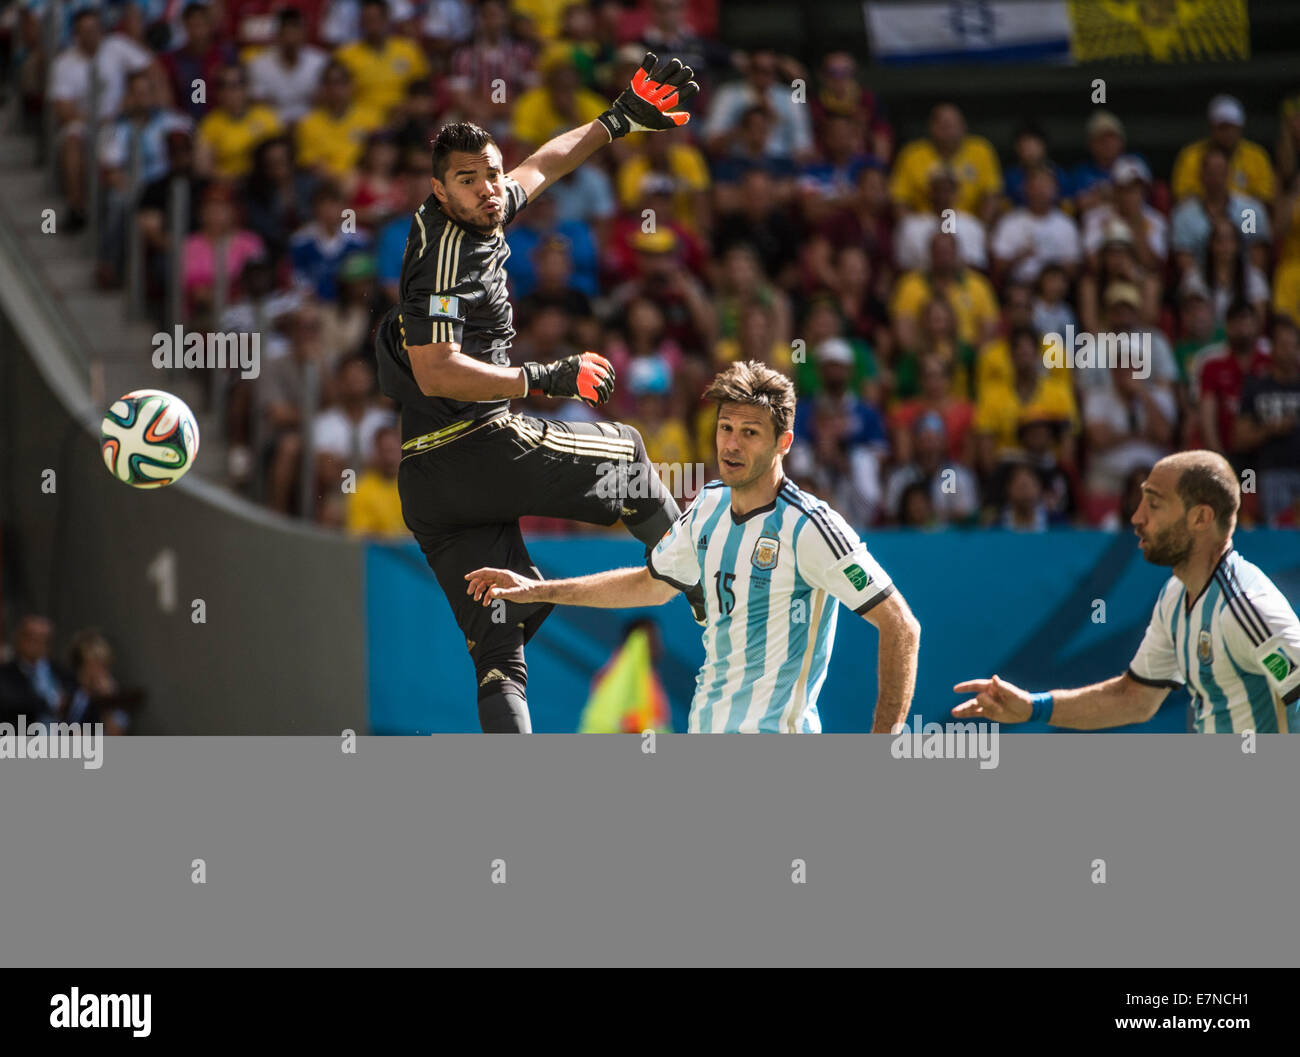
(470, 467)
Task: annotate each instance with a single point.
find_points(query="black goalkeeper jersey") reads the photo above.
(452, 288)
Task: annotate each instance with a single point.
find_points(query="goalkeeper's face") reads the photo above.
(748, 448)
(472, 192)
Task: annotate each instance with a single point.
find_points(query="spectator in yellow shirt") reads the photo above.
(1251, 170)
(382, 65)
(999, 408)
(233, 129)
(331, 138)
(682, 162)
(558, 104)
(979, 176)
(375, 508)
(971, 296)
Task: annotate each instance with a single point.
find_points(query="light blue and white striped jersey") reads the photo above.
(771, 581)
(1236, 648)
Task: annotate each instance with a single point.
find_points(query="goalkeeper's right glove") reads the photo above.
(587, 377)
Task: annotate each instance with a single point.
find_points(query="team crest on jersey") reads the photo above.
(442, 305)
(765, 552)
(1205, 647)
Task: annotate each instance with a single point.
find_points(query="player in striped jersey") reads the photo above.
(1220, 626)
(775, 563)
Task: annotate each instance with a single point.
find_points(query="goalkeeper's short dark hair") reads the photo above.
(462, 136)
(757, 385)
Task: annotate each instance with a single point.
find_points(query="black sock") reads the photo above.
(504, 711)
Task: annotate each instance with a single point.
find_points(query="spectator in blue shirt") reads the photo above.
(317, 250)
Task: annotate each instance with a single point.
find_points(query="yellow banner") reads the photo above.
(1159, 30)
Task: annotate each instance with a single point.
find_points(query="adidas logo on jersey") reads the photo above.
(493, 674)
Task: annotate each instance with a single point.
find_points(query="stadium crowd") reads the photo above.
(907, 287)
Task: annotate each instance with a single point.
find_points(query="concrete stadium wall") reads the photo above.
(282, 648)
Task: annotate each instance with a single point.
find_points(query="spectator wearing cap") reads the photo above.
(1027, 240)
(1117, 261)
(557, 104)
(1267, 430)
(214, 256)
(318, 248)
(968, 292)
(231, 130)
(658, 195)
(839, 92)
(375, 508)
(1221, 375)
(1000, 406)
(650, 385)
(671, 164)
(979, 176)
(536, 224)
(1197, 326)
(1192, 221)
(935, 396)
(1122, 316)
(1250, 170)
(842, 437)
(202, 57)
(331, 137)
(287, 75)
(1029, 145)
(1131, 182)
(916, 230)
(765, 81)
(952, 487)
(382, 63)
(689, 314)
(1090, 180)
(823, 322)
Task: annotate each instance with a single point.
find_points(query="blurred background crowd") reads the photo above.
(906, 286)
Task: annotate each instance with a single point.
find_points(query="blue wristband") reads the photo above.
(1041, 708)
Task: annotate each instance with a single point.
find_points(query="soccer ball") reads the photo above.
(149, 438)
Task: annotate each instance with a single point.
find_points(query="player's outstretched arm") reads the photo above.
(1112, 703)
(900, 642)
(646, 105)
(616, 589)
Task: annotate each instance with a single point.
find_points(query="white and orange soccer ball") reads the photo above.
(149, 438)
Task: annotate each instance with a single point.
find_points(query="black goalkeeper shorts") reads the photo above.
(463, 497)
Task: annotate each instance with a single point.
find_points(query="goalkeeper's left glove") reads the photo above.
(587, 377)
(646, 105)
